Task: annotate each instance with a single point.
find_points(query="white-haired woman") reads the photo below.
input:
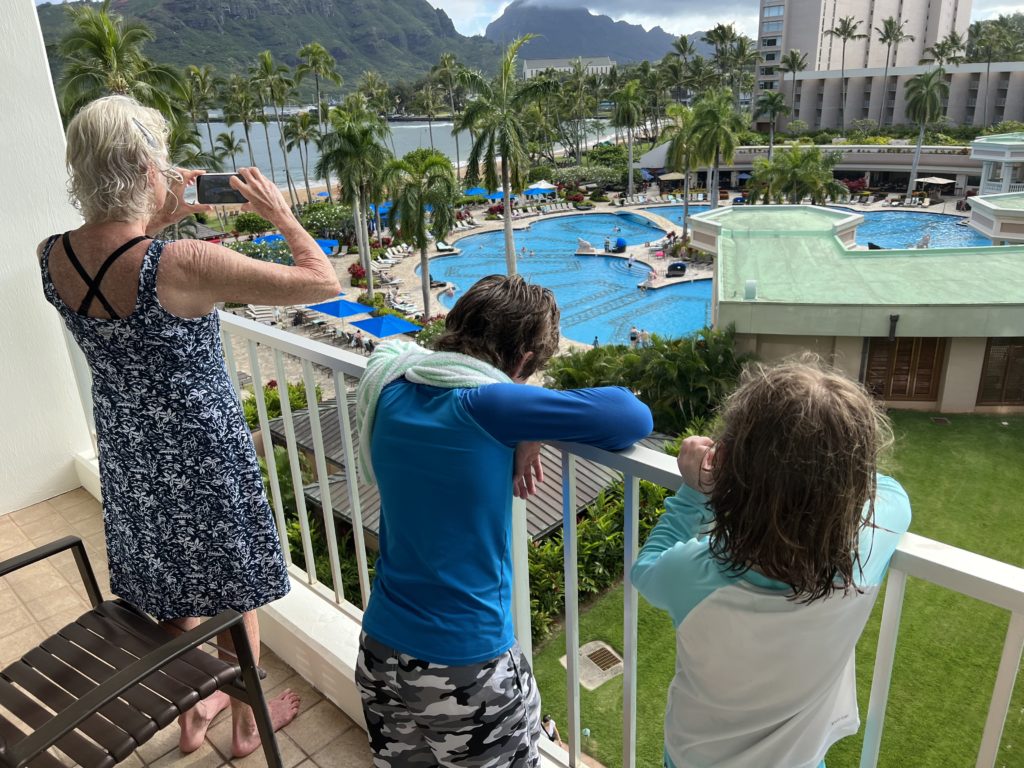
(188, 528)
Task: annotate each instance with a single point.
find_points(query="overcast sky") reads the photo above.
(677, 17)
(471, 17)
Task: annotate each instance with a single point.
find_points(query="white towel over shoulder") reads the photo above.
(395, 359)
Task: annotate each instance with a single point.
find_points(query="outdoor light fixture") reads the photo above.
(893, 319)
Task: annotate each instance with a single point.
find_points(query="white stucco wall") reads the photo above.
(42, 421)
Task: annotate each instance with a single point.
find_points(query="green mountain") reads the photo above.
(400, 39)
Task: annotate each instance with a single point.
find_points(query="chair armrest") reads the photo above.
(71, 717)
(73, 543)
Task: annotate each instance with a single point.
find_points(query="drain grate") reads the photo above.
(604, 659)
(942, 421)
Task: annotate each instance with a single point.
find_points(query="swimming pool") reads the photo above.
(889, 229)
(598, 295)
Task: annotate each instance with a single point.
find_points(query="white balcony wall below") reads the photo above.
(42, 420)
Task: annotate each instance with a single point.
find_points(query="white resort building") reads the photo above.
(598, 65)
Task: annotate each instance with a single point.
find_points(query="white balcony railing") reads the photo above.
(960, 571)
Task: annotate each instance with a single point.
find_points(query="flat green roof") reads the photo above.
(796, 258)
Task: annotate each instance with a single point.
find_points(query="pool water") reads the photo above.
(889, 229)
(902, 229)
(598, 295)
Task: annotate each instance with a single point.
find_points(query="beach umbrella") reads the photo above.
(475, 192)
(543, 184)
(935, 180)
(620, 242)
(327, 246)
(744, 176)
(386, 325)
(341, 308)
(269, 239)
(531, 192)
(322, 194)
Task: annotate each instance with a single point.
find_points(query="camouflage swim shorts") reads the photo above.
(421, 715)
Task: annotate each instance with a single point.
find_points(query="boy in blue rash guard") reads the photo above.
(769, 560)
(450, 436)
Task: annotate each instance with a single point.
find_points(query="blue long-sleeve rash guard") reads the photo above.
(443, 461)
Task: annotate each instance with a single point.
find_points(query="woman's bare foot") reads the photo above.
(196, 721)
(246, 739)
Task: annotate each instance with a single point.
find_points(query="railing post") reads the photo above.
(1001, 693)
(631, 522)
(882, 677)
(521, 580)
(572, 607)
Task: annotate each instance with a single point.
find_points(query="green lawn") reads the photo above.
(965, 482)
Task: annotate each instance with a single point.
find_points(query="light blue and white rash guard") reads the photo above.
(443, 462)
(761, 681)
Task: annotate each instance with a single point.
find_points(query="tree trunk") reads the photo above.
(917, 159)
(364, 252)
(430, 130)
(686, 202)
(885, 89)
(425, 280)
(842, 105)
(320, 124)
(510, 244)
(771, 138)
(305, 169)
(292, 194)
(455, 132)
(248, 145)
(714, 189)
(988, 75)
(209, 134)
(266, 135)
(629, 165)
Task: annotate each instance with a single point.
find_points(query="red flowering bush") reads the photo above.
(356, 270)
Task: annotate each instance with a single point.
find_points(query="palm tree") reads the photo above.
(299, 130)
(891, 33)
(845, 30)
(241, 105)
(986, 40)
(229, 146)
(428, 102)
(771, 104)
(376, 96)
(423, 189)
(681, 151)
(721, 36)
(683, 48)
(924, 94)
(202, 90)
(700, 76)
(628, 114)
(273, 81)
(353, 150)
(319, 63)
(449, 73)
(103, 55)
(795, 173)
(792, 62)
(499, 136)
(716, 125)
(743, 57)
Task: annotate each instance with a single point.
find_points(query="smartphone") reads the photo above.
(215, 189)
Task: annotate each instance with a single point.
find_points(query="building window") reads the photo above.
(771, 26)
(905, 369)
(767, 85)
(1002, 376)
(774, 10)
(771, 56)
(767, 71)
(769, 42)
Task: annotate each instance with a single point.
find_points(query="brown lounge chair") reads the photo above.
(115, 678)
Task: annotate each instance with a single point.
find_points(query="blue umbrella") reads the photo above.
(327, 246)
(386, 325)
(269, 239)
(532, 192)
(497, 196)
(322, 194)
(341, 308)
(475, 192)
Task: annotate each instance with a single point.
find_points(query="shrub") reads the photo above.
(539, 172)
(431, 331)
(610, 155)
(574, 175)
(472, 200)
(251, 224)
(272, 399)
(277, 253)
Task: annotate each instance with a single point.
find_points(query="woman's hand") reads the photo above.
(696, 462)
(175, 206)
(263, 195)
(526, 470)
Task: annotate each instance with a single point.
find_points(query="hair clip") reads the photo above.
(149, 138)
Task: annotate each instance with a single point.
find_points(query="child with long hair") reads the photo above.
(769, 560)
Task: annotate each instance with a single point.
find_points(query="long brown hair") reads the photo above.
(499, 320)
(793, 467)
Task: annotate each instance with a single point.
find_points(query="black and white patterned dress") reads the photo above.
(189, 531)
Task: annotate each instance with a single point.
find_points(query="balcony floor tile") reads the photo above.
(40, 599)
